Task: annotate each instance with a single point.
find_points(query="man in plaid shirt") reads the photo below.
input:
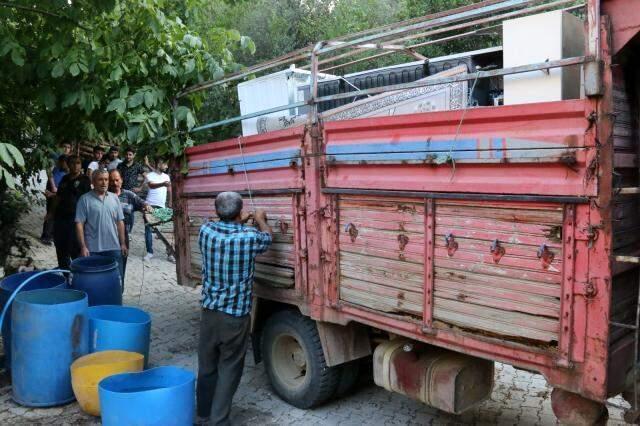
(229, 249)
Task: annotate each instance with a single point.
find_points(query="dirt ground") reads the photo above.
(519, 398)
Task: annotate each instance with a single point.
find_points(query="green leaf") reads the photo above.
(143, 68)
(49, 99)
(132, 133)
(56, 49)
(191, 121)
(16, 154)
(234, 35)
(119, 105)
(9, 180)
(69, 99)
(248, 44)
(58, 70)
(136, 100)
(5, 156)
(181, 113)
(74, 69)
(116, 74)
(189, 66)
(124, 91)
(17, 55)
(149, 99)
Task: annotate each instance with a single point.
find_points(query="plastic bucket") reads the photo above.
(49, 330)
(125, 328)
(89, 370)
(99, 277)
(8, 286)
(162, 396)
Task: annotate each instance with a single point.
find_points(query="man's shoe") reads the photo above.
(171, 259)
(148, 257)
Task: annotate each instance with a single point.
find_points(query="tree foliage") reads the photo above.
(96, 69)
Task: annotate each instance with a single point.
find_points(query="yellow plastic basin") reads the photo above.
(87, 371)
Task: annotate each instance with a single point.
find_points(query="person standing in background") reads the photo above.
(99, 223)
(130, 202)
(113, 159)
(94, 164)
(57, 174)
(159, 185)
(131, 171)
(63, 211)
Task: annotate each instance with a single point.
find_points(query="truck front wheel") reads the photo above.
(294, 360)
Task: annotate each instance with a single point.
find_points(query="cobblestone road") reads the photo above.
(519, 397)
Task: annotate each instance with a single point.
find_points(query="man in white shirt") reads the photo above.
(113, 159)
(159, 185)
(94, 165)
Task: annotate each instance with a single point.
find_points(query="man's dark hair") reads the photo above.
(63, 158)
(130, 149)
(228, 206)
(73, 159)
(98, 148)
(113, 149)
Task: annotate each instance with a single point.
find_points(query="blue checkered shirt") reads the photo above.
(228, 265)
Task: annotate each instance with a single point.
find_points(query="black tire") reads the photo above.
(349, 375)
(294, 360)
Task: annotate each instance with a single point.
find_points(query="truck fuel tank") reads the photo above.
(444, 379)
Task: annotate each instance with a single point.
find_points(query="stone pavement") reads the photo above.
(519, 398)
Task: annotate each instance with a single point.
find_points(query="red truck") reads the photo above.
(443, 241)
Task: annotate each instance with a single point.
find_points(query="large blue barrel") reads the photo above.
(8, 285)
(125, 328)
(49, 329)
(162, 396)
(99, 277)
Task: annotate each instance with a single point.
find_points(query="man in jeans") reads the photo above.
(229, 249)
(100, 222)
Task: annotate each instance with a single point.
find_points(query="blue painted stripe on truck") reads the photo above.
(412, 146)
(264, 161)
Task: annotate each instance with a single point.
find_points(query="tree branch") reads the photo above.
(42, 12)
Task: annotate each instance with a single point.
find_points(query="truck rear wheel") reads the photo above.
(294, 360)
(573, 409)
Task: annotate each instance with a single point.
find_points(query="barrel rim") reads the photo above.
(93, 311)
(9, 278)
(114, 384)
(27, 297)
(104, 264)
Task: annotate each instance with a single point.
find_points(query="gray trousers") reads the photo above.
(221, 350)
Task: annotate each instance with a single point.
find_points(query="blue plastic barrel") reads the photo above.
(49, 330)
(8, 286)
(162, 396)
(125, 328)
(99, 277)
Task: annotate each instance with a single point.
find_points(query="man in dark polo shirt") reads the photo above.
(100, 222)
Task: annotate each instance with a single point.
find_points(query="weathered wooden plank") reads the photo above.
(380, 297)
(511, 226)
(388, 254)
(498, 271)
(408, 207)
(507, 261)
(379, 263)
(412, 245)
(484, 247)
(531, 287)
(508, 300)
(402, 227)
(381, 276)
(266, 269)
(625, 160)
(350, 214)
(490, 235)
(505, 328)
(273, 281)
